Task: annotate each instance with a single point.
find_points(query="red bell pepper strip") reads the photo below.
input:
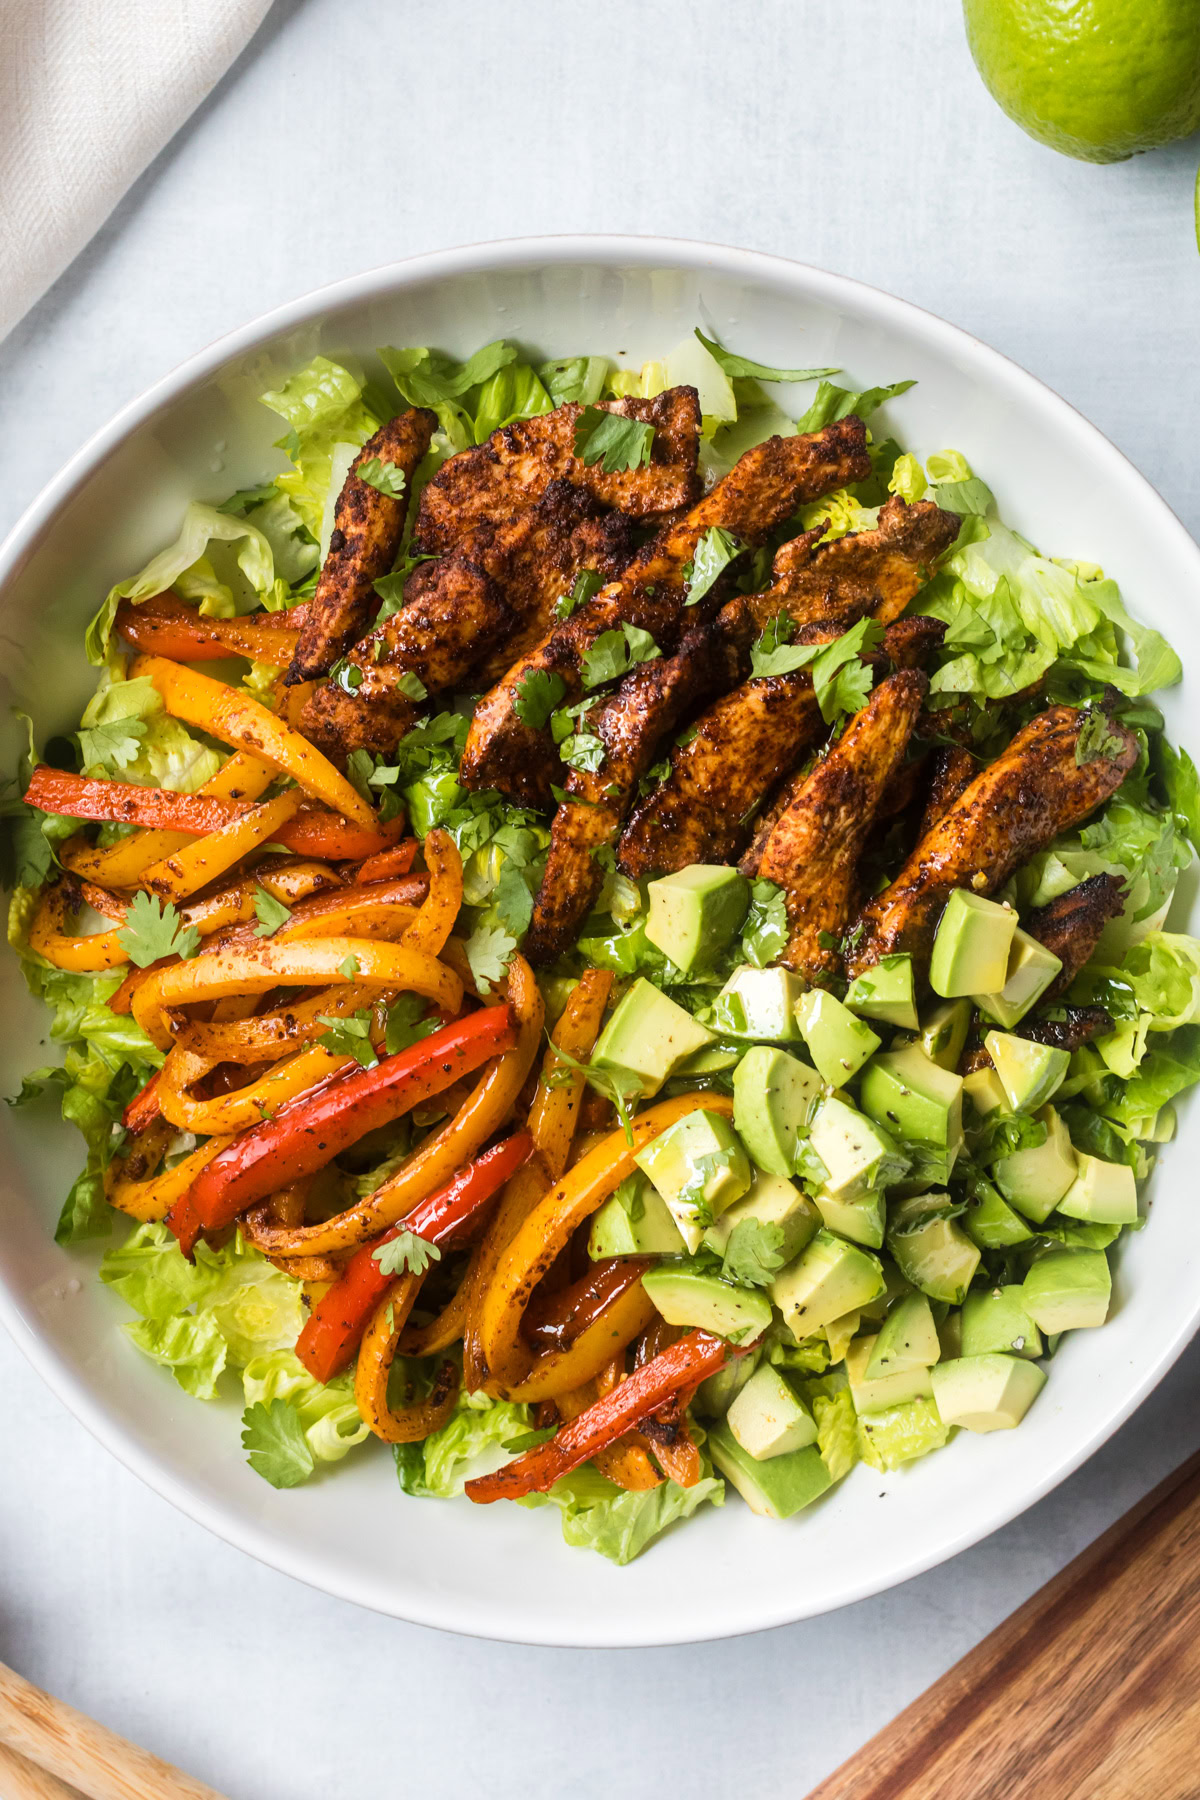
(387, 865)
(312, 831)
(311, 1130)
(143, 1109)
(694, 1357)
(333, 1331)
(166, 626)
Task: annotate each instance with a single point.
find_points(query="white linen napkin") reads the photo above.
(90, 91)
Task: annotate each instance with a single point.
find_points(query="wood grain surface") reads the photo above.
(1091, 1691)
(21, 1780)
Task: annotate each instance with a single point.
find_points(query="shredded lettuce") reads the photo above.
(837, 1431)
(470, 1443)
(127, 734)
(901, 1434)
(327, 1413)
(330, 422)
(598, 1515)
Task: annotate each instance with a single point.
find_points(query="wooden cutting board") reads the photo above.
(1091, 1691)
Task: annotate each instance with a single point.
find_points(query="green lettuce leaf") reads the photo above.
(163, 753)
(470, 1443)
(330, 422)
(326, 1411)
(598, 1515)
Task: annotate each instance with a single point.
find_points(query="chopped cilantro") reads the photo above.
(386, 477)
(765, 931)
(538, 693)
(271, 913)
(117, 743)
(349, 968)
(276, 1447)
(349, 1037)
(513, 901)
(753, 1255)
(411, 686)
(613, 442)
(714, 552)
(582, 750)
(489, 949)
(529, 1440)
(1097, 739)
(405, 1026)
(346, 675)
(587, 583)
(152, 931)
(614, 653)
(741, 367)
(406, 1254)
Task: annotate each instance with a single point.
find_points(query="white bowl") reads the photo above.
(503, 1571)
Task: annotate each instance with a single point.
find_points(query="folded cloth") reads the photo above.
(90, 91)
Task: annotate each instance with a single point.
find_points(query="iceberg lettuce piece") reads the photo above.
(327, 1413)
(470, 1443)
(598, 1515)
(901, 1434)
(330, 422)
(127, 733)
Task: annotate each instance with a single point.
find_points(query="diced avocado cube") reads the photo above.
(647, 1036)
(907, 1339)
(759, 1004)
(876, 1393)
(767, 1418)
(774, 1489)
(990, 1221)
(830, 1277)
(858, 1153)
(971, 946)
(696, 912)
(1035, 1180)
(772, 1200)
(773, 1099)
(983, 1089)
(895, 1287)
(914, 1097)
(713, 1060)
(986, 1393)
(1068, 1290)
(685, 1296)
(944, 1033)
(1031, 969)
(1029, 1073)
(838, 1042)
(886, 991)
(860, 1219)
(716, 1394)
(931, 1249)
(1104, 1192)
(950, 1334)
(996, 1319)
(634, 1222)
(839, 1332)
(699, 1166)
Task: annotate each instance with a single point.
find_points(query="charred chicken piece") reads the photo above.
(953, 772)
(1070, 925)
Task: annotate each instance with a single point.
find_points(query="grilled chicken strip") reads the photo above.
(1070, 925)
(813, 849)
(953, 773)
(367, 529)
(757, 495)
(1012, 809)
(494, 592)
(512, 470)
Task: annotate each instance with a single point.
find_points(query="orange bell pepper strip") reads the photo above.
(181, 873)
(237, 719)
(692, 1359)
(435, 921)
(387, 865)
(167, 626)
(624, 1318)
(119, 865)
(381, 1339)
(309, 1132)
(339, 1318)
(154, 1199)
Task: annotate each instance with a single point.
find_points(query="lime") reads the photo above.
(1097, 79)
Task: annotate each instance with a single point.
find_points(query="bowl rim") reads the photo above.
(461, 1614)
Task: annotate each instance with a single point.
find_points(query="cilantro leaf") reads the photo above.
(152, 931)
(349, 1037)
(538, 693)
(656, 773)
(513, 901)
(276, 1447)
(348, 969)
(390, 588)
(346, 675)
(587, 583)
(411, 686)
(117, 743)
(271, 913)
(582, 750)
(833, 403)
(406, 1254)
(753, 1255)
(616, 443)
(765, 931)
(714, 552)
(614, 653)
(773, 653)
(741, 367)
(489, 949)
(840, 681)
(405, 1026)
(1097, 739)
(385, 477)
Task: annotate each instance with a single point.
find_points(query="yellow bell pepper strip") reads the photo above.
(242, 777)
(237, 719)
(181, 873)
(48, 939)
(558, 1371)
(167, 626)
(549, 1227)
(446, 1150)
(272, 1036)
(313, 963)
(246, 1106)
(154, 1199)
(435, 921)
(407, 1424)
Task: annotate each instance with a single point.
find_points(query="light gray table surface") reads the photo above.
(854, 136)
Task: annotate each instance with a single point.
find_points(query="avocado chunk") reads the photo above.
(699, 1166)
(1104, 1192)
(861, 1220)
(990, 1221)
(1031, 969)
(634, 1222)
(716, 1393)
(647, 1035)
(1067, 1290)
(773, 1099)
(997, 1320)
(696, 912)
(913, 1097)
(768, 1419)
(907, 1339)
(931, 1249)
(886, 991)
(759, 1004)
(1036, 1179)
(857, 1153)
(982, 1088)
(774, 1489)
(838, 1042)
(944, 1033)
(872, 1394)
(713, 1060)
(986, 1393)
(971, 946)
(839, 1332)
(686, 1296)
(772, 1202)
(829, 1277)
(1030, 1073)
